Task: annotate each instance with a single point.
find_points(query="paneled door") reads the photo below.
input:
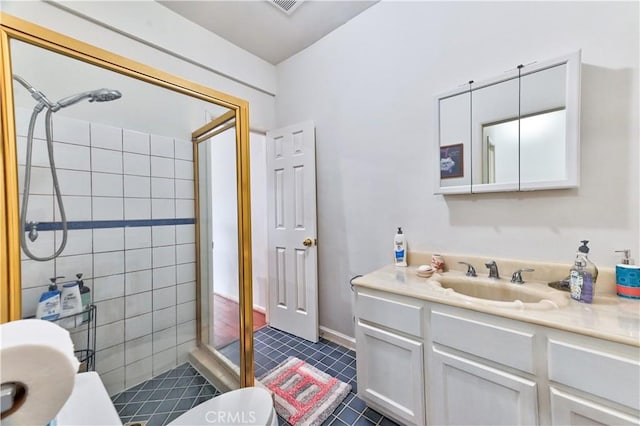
(293, 252)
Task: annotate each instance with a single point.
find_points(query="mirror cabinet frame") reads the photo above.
(12, 28)
(572, 62)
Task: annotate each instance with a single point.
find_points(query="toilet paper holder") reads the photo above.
(12, 395)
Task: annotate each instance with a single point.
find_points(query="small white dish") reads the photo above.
(425, 271)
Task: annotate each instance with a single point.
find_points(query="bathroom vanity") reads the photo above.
(433, 356)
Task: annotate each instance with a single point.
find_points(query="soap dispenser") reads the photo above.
(49, 304)
(85, 297)
(583, 275)
(627, 277)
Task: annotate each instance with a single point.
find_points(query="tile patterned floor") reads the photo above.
(274, 346)
(163, 398)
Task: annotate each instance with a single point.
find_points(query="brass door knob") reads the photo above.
(308, 242)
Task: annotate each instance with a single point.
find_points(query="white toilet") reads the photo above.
(246, 406)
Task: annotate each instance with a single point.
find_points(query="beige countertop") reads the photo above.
(610, 317)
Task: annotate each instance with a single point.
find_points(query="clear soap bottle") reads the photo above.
(583, 275)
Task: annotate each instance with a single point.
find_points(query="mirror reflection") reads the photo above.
(540, 146)
(524, 129)
(543, 127)
(455, 142)
(493, 104)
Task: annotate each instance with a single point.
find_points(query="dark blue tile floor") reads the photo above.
(272, 346)
(163, 398)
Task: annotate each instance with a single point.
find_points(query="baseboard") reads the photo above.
(337, 337)
(234, 299)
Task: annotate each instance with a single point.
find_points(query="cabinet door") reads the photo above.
(567, 409)
(465, 392)
(391, 373)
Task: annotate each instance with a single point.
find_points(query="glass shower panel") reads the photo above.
(219, 236)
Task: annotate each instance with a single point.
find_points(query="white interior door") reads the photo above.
(291, 207)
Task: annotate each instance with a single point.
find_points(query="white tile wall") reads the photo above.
(70, 130)
(136, 164)
(133, 141)
(41, 181)
(106, 185)
(137, 237)
(108, 137)
(137, 208)
(137, 186)
(143, 289)
(105, 160)
(74, 182)
(162, 146)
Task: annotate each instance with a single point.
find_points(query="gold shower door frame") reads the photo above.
(10, 281)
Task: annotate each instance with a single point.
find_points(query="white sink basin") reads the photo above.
(499, 292)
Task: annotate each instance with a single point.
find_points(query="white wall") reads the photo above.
(224, 220)
(224, 211)
(259, 233)
(147, 32)
(369, 87)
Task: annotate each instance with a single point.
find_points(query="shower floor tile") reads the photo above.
(161, 399)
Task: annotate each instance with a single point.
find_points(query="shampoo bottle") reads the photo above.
(400, 248)
(582, 276)
(627, 277)
(49, 303)
(85, 296)
(71, 301)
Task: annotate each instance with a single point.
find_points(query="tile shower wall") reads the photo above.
(142, 278)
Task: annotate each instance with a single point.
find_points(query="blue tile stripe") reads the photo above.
(101, 224)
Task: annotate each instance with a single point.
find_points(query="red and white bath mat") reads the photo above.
(303, 394)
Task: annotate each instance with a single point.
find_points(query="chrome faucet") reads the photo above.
(493, 269)
(471, 271)
(517, 276)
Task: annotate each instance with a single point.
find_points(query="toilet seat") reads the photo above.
(246, 406)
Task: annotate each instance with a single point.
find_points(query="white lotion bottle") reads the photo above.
(400, 248)
(71, 301)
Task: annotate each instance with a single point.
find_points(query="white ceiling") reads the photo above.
(264, 30)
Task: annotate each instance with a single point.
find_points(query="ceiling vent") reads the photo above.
(286, 6)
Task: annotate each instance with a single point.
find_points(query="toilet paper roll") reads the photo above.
(38, 357)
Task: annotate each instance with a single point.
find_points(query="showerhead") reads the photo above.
(104, 95)
(100, 95)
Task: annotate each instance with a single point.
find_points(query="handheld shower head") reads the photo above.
(104, 95)
(100, 95)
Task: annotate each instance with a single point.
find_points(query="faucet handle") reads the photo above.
(471, 271)
(517, 275)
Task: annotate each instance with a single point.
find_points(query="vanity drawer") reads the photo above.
(608, 375)
(506, 346)
(405, 316)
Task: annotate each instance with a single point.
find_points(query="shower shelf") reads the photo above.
(87, 354)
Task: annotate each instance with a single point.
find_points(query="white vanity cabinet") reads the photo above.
(390, 354)
(591, 383)
(421, 362)
(479, 372)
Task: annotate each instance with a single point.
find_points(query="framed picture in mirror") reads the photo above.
(452, 161)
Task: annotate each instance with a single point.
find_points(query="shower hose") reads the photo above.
(27, 184)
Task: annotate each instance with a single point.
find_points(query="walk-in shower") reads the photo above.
(31, 228)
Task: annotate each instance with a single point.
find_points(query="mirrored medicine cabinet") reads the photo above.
(516, 132)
